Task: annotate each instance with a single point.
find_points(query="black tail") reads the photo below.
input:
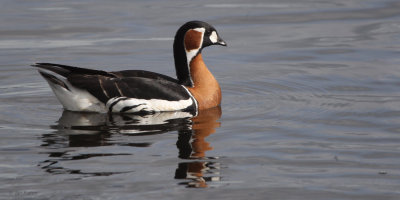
(65, 70)
(53, 79)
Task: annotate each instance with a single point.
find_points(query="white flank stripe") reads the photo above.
(156, 118)
(151, 105)
(195, 101)
(77, 99)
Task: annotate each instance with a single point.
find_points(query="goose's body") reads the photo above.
(133, 91)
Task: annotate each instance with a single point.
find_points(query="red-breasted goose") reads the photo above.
(138, 91)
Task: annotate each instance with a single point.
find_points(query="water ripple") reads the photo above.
(37, 44)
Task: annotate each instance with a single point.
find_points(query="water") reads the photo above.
(311, 98)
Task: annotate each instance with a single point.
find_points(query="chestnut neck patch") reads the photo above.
(193, 40)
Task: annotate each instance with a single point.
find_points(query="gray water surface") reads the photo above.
(311, 102)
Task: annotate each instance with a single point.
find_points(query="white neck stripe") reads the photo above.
(192, 53)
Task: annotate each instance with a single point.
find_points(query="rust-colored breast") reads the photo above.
(192, 39)
(206, 89)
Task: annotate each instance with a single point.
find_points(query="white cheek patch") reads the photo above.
(214, 37)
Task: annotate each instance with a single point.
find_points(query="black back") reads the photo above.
(104, 88)
(103, 85)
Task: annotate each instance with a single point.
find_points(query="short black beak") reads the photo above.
(221, 42)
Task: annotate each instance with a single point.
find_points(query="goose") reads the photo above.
(139, 91)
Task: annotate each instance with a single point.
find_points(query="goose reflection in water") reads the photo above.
(93, 129)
